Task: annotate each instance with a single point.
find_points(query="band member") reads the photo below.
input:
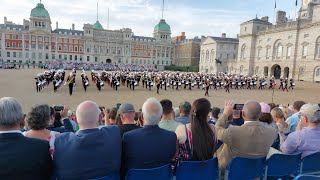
(157, 82)
(285, 85)
(98, 83)
(292, 84)
(227, 85)
(207, 85)
(70, 81)
(85, 82)
(281, 83)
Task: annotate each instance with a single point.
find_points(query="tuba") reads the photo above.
(70, 80)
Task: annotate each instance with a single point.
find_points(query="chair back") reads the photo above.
(307, 177)
(159, 173)
(114, 176)
(279, 165)
(245, 168)
(204, 170)
(311, 164)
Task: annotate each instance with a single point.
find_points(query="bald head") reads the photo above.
(88, 115)
(251, 111)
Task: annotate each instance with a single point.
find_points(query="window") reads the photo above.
(20, 55)
(259, 53)
(245, 29)
(70, 57)
(318, 72)
(60, 56)
(8, 54)
(88, 58)
(59, 48)
(207, 55)
(243, 52)
(268, 53)
(70, 48)
(53, 56)
(75, 48)
(40, 55)
(27, 54)
(13, 45)
(65, 57)
(7, 44)
(304, 50)
(75, 57)
(14, 54)
(288, 51)
(65, 48)
(279, 51)
(80, 58)
(33, 55)
(47, 56)
(95, 59)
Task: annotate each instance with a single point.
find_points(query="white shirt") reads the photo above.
(245, 122)
(12, 131)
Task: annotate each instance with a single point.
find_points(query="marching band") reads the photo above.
(161, 80)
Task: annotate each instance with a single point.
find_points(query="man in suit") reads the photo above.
(21, 157)
(150, 146)
(252, 139)
(91, 152)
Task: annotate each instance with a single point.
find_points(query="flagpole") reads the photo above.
(274, 11)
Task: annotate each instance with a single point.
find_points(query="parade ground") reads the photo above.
(21, 85)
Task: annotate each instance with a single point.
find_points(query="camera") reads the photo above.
(58, 108)
(238, 107)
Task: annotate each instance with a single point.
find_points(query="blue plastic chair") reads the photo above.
(204, 170)
(114, 176)
(283, 166)
(307, 177)
(245, 168)
(159, 173)
(311, 164)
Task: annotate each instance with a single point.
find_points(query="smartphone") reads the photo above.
(238, 107)
(58, 108)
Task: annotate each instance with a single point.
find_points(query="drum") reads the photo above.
(222, 84)
(179, 83)
(264, 83)
(101, 83)
(239, 84)
(118, 84)
(203, 86)
(233, 83)
(244, 83)
(135, 83)
(86, 83)
(218, 84)
(187, 83)
(152, 84)
(211, 83)
(255, 83)
(168, 85)
(200, 83)
(251, 84)
(193, 84)
(293, 84)
(162, 83)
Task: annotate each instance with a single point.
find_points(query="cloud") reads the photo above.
(139, 15)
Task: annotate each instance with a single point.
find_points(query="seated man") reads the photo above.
(305, 139)
(127, 113)
(21, 157)
(91, 152)
(167, 120)
(252, 139)
(150, 146)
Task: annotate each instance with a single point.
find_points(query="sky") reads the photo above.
(195, 17)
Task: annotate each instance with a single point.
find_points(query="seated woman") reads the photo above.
(202, 145)
(37, 122)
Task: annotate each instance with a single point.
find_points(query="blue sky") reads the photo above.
(195, 17)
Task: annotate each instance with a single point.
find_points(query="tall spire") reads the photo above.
(162, 8)
(40, 1)
(97, 11)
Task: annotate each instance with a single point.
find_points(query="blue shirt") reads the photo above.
(293, 122)
(183, 120)
(306, 141)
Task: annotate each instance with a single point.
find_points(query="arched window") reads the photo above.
(279, 50)
(243, 52)
(318, 72)
(202, 56)
(318, 48)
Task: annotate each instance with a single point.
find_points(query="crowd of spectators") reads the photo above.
(93, 141)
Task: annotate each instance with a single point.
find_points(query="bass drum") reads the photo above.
(135, 83)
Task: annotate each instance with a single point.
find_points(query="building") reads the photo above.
(36, 42)
(216, 52)
(289, 48)
(182, 37)
(187, 51)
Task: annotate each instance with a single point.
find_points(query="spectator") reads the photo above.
(237, 120)
(21, 157)
(272, 106)
(176, 112)
(185, 108)
(167, 120)
(150, 146)
(286, 111)
(278, 117)
(306, 138)
(112, 119)
(197, 140)
(53, 125)
(252, 139)
(214, 115)
(293, 120)
(266, 117)
(91, 152)
(127, 113)
(70, 116)
(37, 121)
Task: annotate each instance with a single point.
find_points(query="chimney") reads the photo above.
(72, 26)
(265, 18)
(224, 35)
(5, 20)
(57, 25)
(183, 33)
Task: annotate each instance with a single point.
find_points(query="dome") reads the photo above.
(39, 11)
(162, 26)
(98, 26)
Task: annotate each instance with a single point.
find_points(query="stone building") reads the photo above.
(187, 51)
(289, 48)
(36, 42)
(216, 52)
